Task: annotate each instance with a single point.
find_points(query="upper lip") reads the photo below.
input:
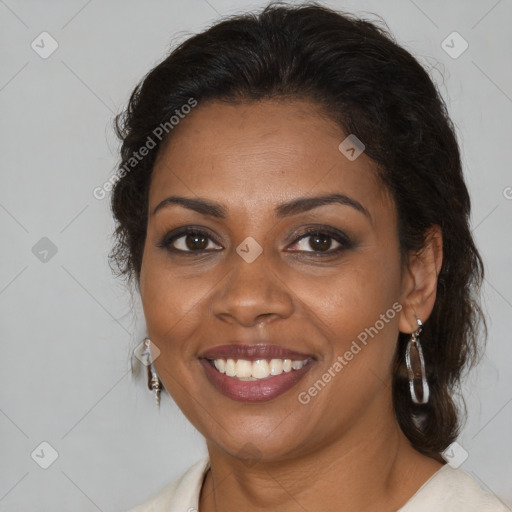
(253, 352)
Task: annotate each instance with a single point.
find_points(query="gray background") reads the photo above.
(67, 326)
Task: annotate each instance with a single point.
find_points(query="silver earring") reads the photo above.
(154, 383)
(415, 346)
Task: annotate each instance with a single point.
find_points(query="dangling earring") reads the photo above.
(420, 374)
(154, 383)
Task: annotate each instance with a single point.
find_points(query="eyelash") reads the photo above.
(336, 235)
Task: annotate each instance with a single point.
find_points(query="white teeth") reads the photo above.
(260, 369)
(276, 366)
(230, 368)
(220, 364)
(243, 368)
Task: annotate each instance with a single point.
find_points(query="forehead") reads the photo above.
(246, 154)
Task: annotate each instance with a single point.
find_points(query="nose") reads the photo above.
(252, 294)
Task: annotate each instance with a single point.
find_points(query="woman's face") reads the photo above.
(255, 276)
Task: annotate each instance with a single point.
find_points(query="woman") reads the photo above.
(291, 206)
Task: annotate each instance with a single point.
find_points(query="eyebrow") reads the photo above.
(289, 208)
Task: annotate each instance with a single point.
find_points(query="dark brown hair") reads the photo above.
(372, 88)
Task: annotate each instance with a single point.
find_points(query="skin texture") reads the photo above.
(344, 449)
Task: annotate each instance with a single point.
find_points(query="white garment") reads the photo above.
(447, 490)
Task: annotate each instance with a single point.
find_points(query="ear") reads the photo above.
(419, 281)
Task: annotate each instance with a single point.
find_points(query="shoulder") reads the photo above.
(180, 495)
(452, 490)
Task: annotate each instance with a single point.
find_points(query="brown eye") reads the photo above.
(190, 240)
(318, 241)
(195, 242)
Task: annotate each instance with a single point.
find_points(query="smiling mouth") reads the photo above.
(254, 373)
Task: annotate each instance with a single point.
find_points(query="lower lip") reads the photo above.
(254, 390)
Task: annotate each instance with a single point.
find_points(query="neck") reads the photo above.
(371, 467)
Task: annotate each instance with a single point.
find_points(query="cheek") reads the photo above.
(164, 304)
(357, 309)
(363, 313)
(360, 326)
(171, 311)
(353, 296)
(168, 298)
